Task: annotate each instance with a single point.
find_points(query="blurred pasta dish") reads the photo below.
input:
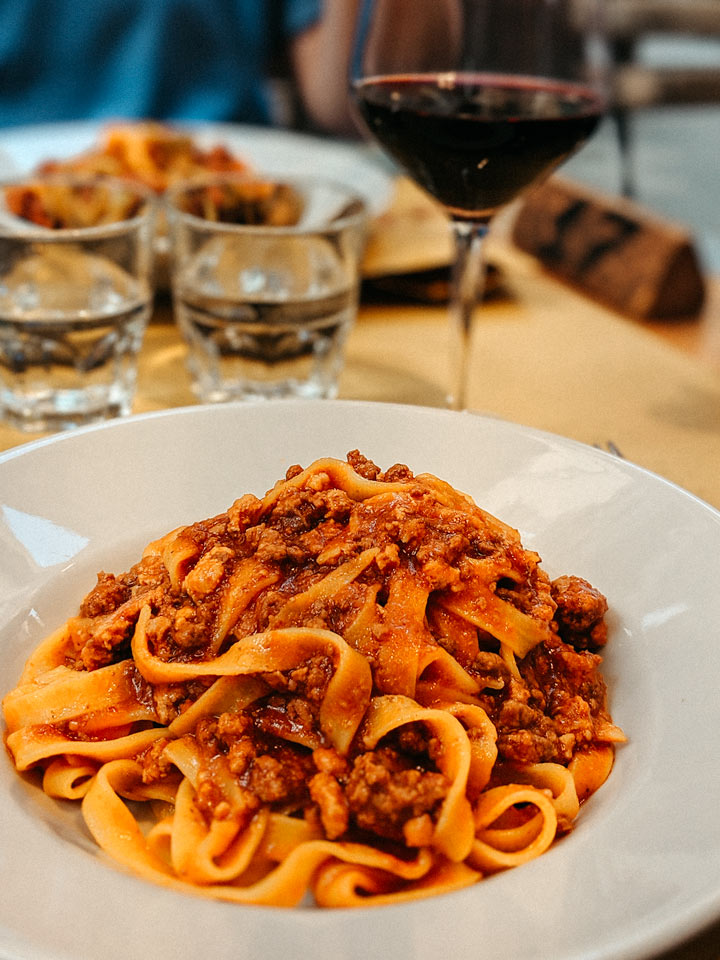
(158, 157)
(359, 687)
(155, 154)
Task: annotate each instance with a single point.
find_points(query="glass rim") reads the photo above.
(356, 204)
(15, 227)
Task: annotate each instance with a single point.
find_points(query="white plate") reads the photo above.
(640, 871)
(267, 150)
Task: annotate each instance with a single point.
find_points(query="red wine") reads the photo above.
(474, 141)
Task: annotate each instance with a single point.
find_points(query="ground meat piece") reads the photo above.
(328, 795)
(205, 576)
(231, 725)
(328, 760)
(413, 738)
(446, 548)
(153, 762)
(536, 743)
(490, 670)
(440, 575)
(531, 746)
(244, 513)
(525, 733)
(454, 634)
(575, 691)
(383, 792)
(281, 778)
(398, 473)
(580, 612)
(100, 641)
(276, 772)
(553, 708)
(309, 679)
(294, 720)
(171, 699)
(268, 779)
(241, 754)
(166, 698)
(271, 548)
(318, 675)
(337, 505)
(214, 805)
(360, 464)
(107, 595)
(299, 510)
(102, 630)
(534, 595)
(301, 714)
(574, 717)
(191, 629)
(149, 572)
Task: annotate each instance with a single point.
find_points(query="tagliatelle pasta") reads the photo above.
(360, 687)
(156, 154)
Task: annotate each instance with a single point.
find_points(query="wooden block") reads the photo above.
(612, 250)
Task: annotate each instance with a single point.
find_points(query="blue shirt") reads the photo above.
(161, 59)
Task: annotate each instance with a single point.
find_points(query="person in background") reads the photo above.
(203, 60)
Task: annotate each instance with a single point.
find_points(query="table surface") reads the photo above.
(543, 355)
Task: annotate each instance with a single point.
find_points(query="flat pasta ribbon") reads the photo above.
(347, 694)
(501, 847)
(116, 831)
(453, 831)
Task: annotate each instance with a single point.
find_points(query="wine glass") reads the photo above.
(477, 100)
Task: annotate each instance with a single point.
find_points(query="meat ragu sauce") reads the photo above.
(546, 706)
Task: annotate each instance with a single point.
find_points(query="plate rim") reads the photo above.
(189, 409)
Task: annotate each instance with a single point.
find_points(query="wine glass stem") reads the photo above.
(468, 282)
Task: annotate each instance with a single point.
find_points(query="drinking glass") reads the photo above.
(265, 278)
(75, 298)
(477, 100)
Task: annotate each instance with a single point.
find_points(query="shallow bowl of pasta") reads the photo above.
(352, 680)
